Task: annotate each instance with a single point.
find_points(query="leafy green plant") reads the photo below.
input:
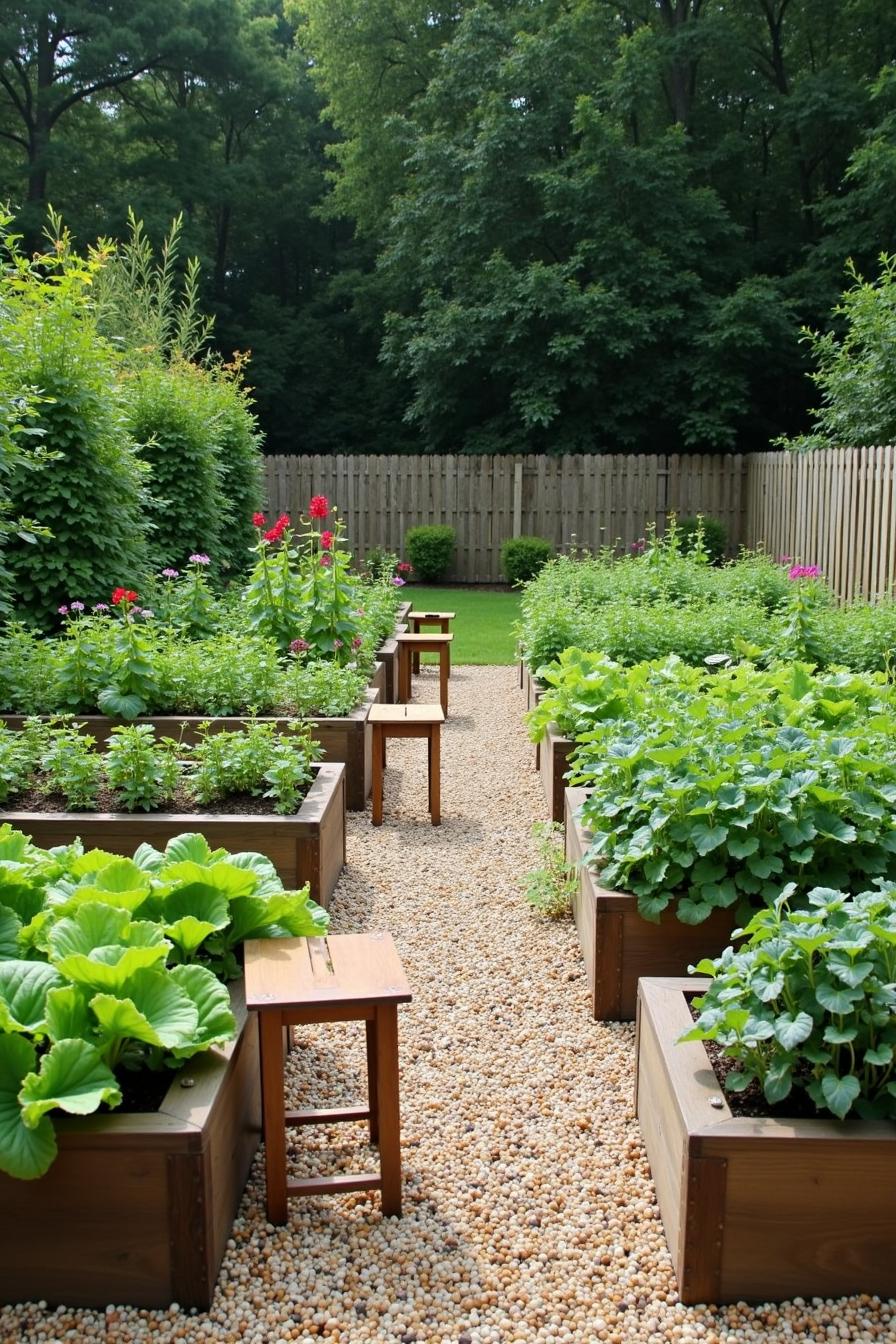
(430, 550)
(143, 772)
(714, 793)
(91, 495)
(807, 1002)
(111, 963)
(71, 766)
(133, 685)
(243, 762)
(523, 557)
(551, 886)
(322, 690)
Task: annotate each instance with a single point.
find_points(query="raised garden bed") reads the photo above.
(347, 739)
(553, 762)
(306, 847)
(137, 1208)
(618, 945)
(763, 1209)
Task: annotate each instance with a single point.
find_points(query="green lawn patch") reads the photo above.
(482, 630)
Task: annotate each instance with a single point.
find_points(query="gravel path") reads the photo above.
(529, 1211)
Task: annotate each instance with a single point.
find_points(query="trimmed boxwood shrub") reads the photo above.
(523, 557)
(430, 550)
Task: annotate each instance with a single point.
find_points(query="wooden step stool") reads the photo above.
(407, 721)
(411, 645)
(341, 978)
(417, 620)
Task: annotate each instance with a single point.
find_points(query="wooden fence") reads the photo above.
(588, 500)
(835, 508)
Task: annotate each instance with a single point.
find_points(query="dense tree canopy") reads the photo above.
(541, 225)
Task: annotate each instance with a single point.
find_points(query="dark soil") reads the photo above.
(236, 804)
(142, 1090)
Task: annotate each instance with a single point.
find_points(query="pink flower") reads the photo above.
(637, 547)
(398, 581)
(299, 646)
(326, 540)
(326, 558)
(77, 606)
(170, 573)
(63, 611)
(337, 643)
(804, 572)
(319, 507)
(101, 607)
(404, 567)
(357, 642)
(199, 559)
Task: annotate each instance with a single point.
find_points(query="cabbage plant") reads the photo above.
(111, 963)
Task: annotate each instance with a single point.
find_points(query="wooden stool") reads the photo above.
(342, 978)
(443, 619)
(408, 646)
(406, 721)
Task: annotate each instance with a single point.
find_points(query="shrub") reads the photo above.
(238, 442)
(430, 550)
(806, 1002)
(91, 496)
(523, 557)
(708, 536)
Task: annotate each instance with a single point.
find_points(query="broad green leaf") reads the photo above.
(742, 848)
(152, 1007)
(67, 1015)
(792, 1029)
(778, 1083)
(10, 925)
(690, 911)
(89, 926)
(111, 968)
(706, 838)
(255, 917)
(24, 1153)
(72, 1077)
(212, 1000)
(92, 862)
(265, 872)
(880, 1056)
(189, 933)
(121, 875)
(829, 824)
(835, 1035)
(213, 877)
(836, 998)
(148, 859)
(24, 986)
(117, 705)
(839, 1093)
(189, 847)
(128, 900)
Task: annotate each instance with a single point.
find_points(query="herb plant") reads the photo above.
(142, 771)
(808, 1001)
(244, 761)
(551, 886)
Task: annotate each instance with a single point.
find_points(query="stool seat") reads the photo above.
(409, 649)
(417, 619)
(340, 978)
(407, 721)
(430, 616)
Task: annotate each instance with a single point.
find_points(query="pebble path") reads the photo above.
(529, 1209)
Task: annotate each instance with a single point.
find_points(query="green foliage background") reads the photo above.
(517, 227)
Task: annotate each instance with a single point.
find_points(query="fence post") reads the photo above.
(518, 497)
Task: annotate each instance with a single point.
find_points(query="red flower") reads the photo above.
(319, 507)
(259, 520)
(326, 559)
(123, 595)
(326, 540)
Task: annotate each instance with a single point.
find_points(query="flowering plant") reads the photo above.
(273, 598)
(133, 683)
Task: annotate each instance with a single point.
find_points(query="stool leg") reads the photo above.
(404, 674)
(274, 1111)
(386, 1028)
(443, 678)
(443, 626)
(377, 765)
(372, 1081)
(435, 780)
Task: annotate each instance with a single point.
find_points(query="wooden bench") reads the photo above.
(407, 721)
(408, 646)
(341, 978)
(417, 620)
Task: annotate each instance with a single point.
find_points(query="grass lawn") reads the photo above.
(482, 628)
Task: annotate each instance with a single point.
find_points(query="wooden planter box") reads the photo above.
(402, 611)
(553, 763)
(137, 1209)
(534, 690)
(619, 946)
(347, 739)
(306, 847)
(757, 1210)
(388, 656)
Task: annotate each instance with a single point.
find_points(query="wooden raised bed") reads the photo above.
(348, 739)
(306, 847)
(553, 763)
(619, 946)
(137, 1209)
(757, 1210)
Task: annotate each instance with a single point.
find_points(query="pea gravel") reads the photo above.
(529, 1209)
